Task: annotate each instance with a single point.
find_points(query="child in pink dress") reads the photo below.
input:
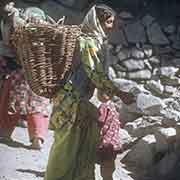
(110, 142)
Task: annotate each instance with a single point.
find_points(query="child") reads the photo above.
(109, 144)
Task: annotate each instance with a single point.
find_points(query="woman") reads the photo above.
(74, 118)
(34, 108)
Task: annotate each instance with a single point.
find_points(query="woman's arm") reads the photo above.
(93, 66)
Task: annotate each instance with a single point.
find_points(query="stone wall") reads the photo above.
(145, 60)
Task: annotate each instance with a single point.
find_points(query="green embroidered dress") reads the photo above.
(73, 154)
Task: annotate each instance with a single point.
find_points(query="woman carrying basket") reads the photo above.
(73, 154)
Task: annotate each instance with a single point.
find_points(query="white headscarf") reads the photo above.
(91, 25)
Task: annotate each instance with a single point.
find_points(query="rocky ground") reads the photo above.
(18, 162)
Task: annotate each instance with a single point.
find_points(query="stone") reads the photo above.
(142, 154)
(135, 33)
(140, 75)
(133, 64)
(149, 104)
(155, 86)
(147, 20)
(167, 164)
(121, 74)
(143, 126)
(165, 137)
(156, 36)
(117, 37)
(148, 51)
(137, 54)
(170, 81)
(111, 73)
(166, 60)
(124, 84)
(125, 138)
(168, 71)
(171, 117)
(119, 67)
(125, 15)
(170, 29)
(176, 45)
(154, 60)
(169, 90)
(124, 54)
(176, 62)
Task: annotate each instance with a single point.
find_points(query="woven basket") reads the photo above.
(46, 54)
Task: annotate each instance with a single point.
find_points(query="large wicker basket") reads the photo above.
(46, 53)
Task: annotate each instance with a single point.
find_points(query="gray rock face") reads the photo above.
(156, 35)
(124, 85)
(133, 64)
(143, 126)
(144, 74)
(149, 104)
(155, 86)
(142, 153)
(135, 33)
(165, 137)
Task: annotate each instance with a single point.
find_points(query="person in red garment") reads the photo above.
(110, 141)
(35, 108)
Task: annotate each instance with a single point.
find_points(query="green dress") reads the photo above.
(73, 153)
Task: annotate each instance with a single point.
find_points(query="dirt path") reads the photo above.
(18, 162)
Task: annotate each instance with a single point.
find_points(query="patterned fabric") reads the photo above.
(110, 126)
(23, 99)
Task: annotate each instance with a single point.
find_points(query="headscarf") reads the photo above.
(91, 25)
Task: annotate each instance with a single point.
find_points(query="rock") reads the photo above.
(143, 126)
(171, 81)
(170, 29)
(171, 117)
(147, 20)
(133, 64)
(176, 62)
(111, 73)
(124, 54)
(135, 33)
(121, 74)
(117, 37)
(124, 85)
(142, 154)
(169, 90)
(125, 138)
(137, 54)
(167, 164)
(165, 137)
(156, 36)
(147, 50)
(119, 67)
(140, 75)
(125, 15)
(154, 60)
(155, 86)
(166, 60)
(149, 104)
(168, 71)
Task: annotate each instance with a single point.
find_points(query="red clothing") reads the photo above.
(110, 126)
(24, 99)
(7, 121)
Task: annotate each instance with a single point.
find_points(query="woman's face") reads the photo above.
(109, 23)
